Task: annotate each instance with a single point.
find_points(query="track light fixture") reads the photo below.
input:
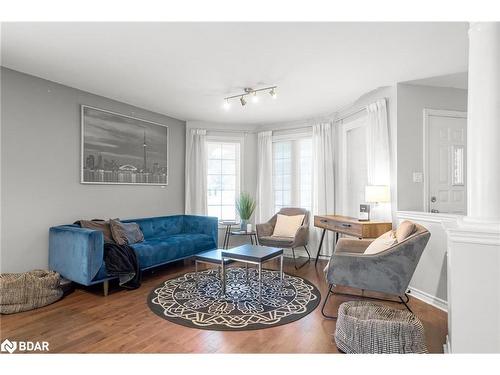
(249, 92)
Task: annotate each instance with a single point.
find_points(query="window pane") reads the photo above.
(228, 167)
(228, 151)
(214, 150)
(214, 211)
(228, 182)
(228, 197)
(214, 182)
(214, 197)
(214, 166)
(222, 176)
(228, 212)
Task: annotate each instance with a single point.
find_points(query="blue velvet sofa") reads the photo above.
(77, 253)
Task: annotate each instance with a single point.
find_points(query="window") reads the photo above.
(292, 173)
(223, 178)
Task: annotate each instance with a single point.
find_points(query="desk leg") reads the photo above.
(251, 239)
(319, 247)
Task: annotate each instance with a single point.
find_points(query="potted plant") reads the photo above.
(245, 205)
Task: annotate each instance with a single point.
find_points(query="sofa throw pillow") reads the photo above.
(287, 226)
(101, 225)
(405, 230)
(118, 232)
(126, 233)
(382, 243)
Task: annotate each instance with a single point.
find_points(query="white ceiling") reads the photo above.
(185, 69)
(456, 80)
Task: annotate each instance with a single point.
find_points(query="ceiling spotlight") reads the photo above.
(255, 98)
(251, 93)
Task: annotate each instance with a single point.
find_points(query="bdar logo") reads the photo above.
(8, 346)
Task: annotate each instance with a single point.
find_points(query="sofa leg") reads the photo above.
(105, 287)
(330, 292)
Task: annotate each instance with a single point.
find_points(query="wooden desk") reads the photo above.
(349, 226)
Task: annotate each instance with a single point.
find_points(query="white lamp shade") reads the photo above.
(377, 194)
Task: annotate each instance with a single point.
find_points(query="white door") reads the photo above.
(446, 161)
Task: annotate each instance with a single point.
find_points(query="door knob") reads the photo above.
(433, 199)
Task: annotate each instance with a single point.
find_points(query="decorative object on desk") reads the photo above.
(245, 205)
(196, 301)
(119, 149)
(28, 290)
(364, 212)
(249, 228)
(376, 194)
(367, 328)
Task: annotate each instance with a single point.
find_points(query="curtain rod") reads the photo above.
(350, 114)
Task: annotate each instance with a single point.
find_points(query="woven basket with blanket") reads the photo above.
(28, 290)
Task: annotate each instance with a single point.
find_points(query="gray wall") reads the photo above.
(411, 101)
(40, 168)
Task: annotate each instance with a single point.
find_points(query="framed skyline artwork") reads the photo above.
(119, 149)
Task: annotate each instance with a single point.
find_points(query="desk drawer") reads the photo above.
(352, 229)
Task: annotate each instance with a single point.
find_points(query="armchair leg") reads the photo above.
(406, 302)
(295, 259)
(330, 292)
(105, 287)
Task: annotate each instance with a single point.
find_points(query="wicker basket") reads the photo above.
(28, 290)
(365, 327)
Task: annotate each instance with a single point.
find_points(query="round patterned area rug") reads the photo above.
(198, 302)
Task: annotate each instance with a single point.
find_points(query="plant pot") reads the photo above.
(243, 225)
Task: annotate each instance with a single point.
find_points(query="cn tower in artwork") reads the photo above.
(144, 145)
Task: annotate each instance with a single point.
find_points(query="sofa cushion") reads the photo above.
(160, 250)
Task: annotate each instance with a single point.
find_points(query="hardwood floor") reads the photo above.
(85, 321)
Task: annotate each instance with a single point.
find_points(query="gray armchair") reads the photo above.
(301, 238)
(389, 271)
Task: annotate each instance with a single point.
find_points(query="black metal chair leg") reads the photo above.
(295, 260)
(330, 291)
(406, 302)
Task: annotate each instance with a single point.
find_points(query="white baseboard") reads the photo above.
(429, 299)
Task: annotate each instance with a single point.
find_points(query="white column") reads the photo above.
(474, 241)
(483, 124)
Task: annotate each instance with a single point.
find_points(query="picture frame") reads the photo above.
(118, 149)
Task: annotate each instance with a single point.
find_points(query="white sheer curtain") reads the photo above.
(378, 151)
(264, 196)
(323, 179)
(196, 172)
